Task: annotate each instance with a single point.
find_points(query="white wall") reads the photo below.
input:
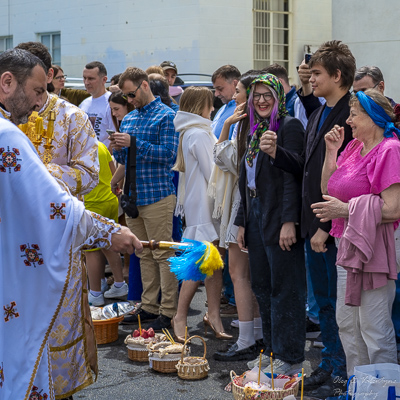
(372, 31)
(198, 35)
(312, 25)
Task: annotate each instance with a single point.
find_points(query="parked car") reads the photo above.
(183, 81)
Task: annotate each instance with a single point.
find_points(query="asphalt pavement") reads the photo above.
(121, 378)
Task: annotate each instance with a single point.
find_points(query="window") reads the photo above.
(53, 42)
(6, 42)
(271, 33)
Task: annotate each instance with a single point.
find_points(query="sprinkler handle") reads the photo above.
(153, 245)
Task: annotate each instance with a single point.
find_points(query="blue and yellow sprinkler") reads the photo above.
(197, 261)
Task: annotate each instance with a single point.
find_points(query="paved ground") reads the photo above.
(121, 378)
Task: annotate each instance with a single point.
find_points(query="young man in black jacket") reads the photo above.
(332, 73)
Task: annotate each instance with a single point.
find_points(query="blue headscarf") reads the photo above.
(377, 114)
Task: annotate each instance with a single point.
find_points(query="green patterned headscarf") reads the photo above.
(276, 85)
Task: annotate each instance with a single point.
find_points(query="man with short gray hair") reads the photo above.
(370, 77)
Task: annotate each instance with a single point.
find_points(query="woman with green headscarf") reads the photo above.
(269, 219)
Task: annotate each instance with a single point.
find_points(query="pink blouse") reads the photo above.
(357, 175)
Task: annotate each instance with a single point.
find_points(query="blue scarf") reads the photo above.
(377, 114)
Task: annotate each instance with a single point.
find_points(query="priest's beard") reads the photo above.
(19, 106)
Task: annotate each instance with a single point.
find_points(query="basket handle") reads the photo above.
(231, 374)
(188, 340)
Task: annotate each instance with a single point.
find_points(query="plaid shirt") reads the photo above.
(157, 145)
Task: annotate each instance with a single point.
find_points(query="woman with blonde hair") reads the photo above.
(194, 163)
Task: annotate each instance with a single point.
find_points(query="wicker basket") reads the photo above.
(239, 394)
(166, 365)
(138, 355)
(237, 391)
(192, 368)
(106, 330)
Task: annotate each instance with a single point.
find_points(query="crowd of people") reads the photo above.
(298, 189)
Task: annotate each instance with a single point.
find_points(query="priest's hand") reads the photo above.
(125, 241)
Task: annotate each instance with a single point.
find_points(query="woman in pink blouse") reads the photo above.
(364, 187)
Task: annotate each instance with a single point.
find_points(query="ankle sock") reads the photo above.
(246, 334)
(258, 330)
(95, 294)
(119, 284)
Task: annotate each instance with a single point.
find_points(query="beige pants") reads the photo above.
(366, 332)
(155, 223)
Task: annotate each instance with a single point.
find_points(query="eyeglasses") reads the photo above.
(132, 95)
(266, 96)
(364, 89)
(61, 77)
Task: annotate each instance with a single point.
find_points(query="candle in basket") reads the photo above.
(140, 326)
(302, 383)
(259, 368)
(272, 372)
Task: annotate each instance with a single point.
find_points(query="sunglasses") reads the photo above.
(132, 95)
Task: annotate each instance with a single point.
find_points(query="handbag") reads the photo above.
(376, 381)
(128, 199)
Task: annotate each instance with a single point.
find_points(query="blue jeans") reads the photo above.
(312, 306)
(322, 267)
(279, 284)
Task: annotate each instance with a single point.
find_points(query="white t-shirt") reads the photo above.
(99, 113)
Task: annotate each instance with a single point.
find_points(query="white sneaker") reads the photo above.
(265, 361)
(115, 293)
(96, 301)
(104, 286)
(283, 368)
(235, 323)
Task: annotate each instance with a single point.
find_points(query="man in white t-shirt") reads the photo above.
(97, 106)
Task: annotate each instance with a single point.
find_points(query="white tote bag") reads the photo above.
(376, 382)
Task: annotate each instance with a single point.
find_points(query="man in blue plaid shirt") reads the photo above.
(157, 143)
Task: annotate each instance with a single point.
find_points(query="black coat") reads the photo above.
(311, 161)
(279, 191)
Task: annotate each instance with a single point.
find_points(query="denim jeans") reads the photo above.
(279, 284)
(322, 267)
(312, 306)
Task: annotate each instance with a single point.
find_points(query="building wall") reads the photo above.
(372, 32)
(198, 35)
(311, 25)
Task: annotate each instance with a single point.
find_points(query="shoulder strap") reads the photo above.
(130, 181)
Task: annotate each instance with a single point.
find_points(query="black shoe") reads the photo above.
(162, 322)
(233, 354)
(312, 326)
(132, 317)
(316, 379)
(333, 387)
